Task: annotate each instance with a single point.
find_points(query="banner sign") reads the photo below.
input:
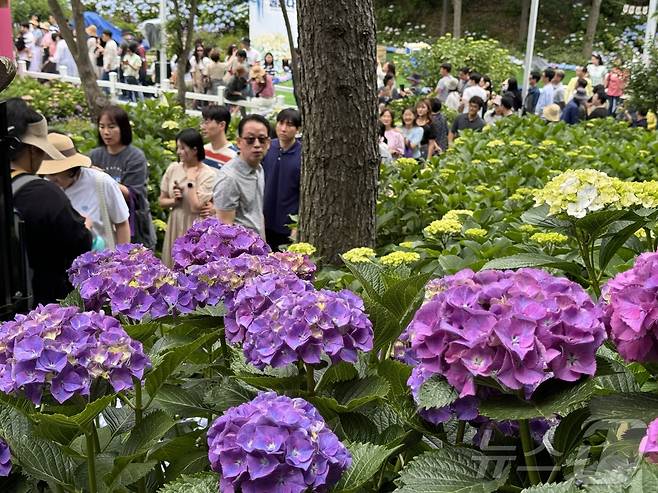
(267, 28)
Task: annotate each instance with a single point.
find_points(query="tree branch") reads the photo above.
(294, 54)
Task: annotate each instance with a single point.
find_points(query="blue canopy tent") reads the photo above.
(101, 25)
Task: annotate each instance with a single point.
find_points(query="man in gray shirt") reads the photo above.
(239, 190)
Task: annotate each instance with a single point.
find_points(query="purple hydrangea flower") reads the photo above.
(630, 304)
(132, 280)
(275, 444)
(487, 427)
(5, 458)
(258, 294)
(63, 349)
(520, 328)
(649, 443)
(221, 279)
(210, 240)
(304, 325)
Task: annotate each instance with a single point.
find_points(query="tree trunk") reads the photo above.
(339, 110)
(457, 18)
(182, 43)
(525, 17)
(77, 44)
(444, 17)
(592, 22)
(294, 55)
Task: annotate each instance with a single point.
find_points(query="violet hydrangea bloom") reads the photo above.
(132, 280)
(520, 328)
(210, 239)
(63, 350)
(5, 458)
(649, 443)
(257, 295)
(275, 444)
(221, 279)
(302, 326)
(630, 304)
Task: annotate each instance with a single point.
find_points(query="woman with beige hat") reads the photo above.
(55, 234)
(93, 193)
(261, 83)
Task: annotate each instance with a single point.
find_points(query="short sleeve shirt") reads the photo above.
(240, 188)
(462, 122)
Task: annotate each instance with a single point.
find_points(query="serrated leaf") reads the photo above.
(370, 275)
(610, 245)
(351, 395)
(451, 470)
(157, 376)
(535, 260)
(229, 393)
(538, 216)
(73, 299)
(396, 374)
(436, 392)
(133, 472)
(367, 459)
(184, 402)
(565, 487)
(386, 326)
(151, 429)
(43, 459)
(595, 222)
(119, 419)
(403, 297)
(141, 332)
(197, 483)
(645, 479)
(569, 433)
(340, 372)
(625, 407)
(63, 429)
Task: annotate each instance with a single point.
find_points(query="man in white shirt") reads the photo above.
(442, 86)
(547, 92)
(253, 57)
(473, 89)
(111, 58)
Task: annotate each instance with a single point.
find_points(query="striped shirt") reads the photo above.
(216, 158)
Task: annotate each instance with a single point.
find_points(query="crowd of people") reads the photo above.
(241, 70)
(71, 203)
(593, 92)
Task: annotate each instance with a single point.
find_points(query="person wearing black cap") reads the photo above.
(55, 234)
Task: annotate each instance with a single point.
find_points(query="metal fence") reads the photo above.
(115, 88)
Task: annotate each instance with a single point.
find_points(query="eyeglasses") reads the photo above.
(252, 140)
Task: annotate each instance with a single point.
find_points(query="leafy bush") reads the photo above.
(485, 55)
(643, 83)
(54, 99)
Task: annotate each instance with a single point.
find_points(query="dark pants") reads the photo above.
(275, 240)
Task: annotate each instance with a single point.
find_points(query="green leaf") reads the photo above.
(625, 407)
(538, 216)
(405, 295)
(204, 482)
(133, 472)
(560, 402)
(229, 393)
(396, 374)
(43, 459)
(73, 299)
(142, 332)
(119, 420)
(610, 245)
(340, 372)
(386, 325)
(150, 430)
(64, 429)
(370, 275)
(367, 459)
(218, 310)
(569, 433)
(521, 260)
(566, 487)
(184, 402)
(436, 392)
(450, 470)
(645, 479)
(354, 394)
(172, 360)
(595, 222)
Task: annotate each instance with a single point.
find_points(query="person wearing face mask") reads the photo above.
(240, 186)
(94, 194)
(127, 165)
(186, 189)
(55, 234)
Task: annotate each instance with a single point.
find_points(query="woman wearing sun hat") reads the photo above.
(93, 193)
(261, 82)
(55, 234)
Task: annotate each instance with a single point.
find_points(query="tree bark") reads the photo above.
(525, 17)
(444, 17)
(77, 44)
(457, 18)
(339, 110)
(294, 55)
(588, 42)
(182, 43)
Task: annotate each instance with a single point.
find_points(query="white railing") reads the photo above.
(251, 105)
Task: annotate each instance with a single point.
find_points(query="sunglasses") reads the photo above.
(252, 140)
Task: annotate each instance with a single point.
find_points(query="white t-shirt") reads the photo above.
(471, 91)
(84, 199)
(252, 57)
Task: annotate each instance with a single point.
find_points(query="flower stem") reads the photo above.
(310, 379)
(587, 253)
(141, 483)
(528, 452)
(91, 461)
(461, 429)
(554, 472)
(509, 488)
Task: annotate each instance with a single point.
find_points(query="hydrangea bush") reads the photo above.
(5, 458)
(274, 443)
(63, 350)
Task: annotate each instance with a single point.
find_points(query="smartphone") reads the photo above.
(401, 87)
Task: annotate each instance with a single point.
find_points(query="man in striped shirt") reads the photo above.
(219, 151)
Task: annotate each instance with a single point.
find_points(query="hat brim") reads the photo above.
(52, 166)
(43, 144)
